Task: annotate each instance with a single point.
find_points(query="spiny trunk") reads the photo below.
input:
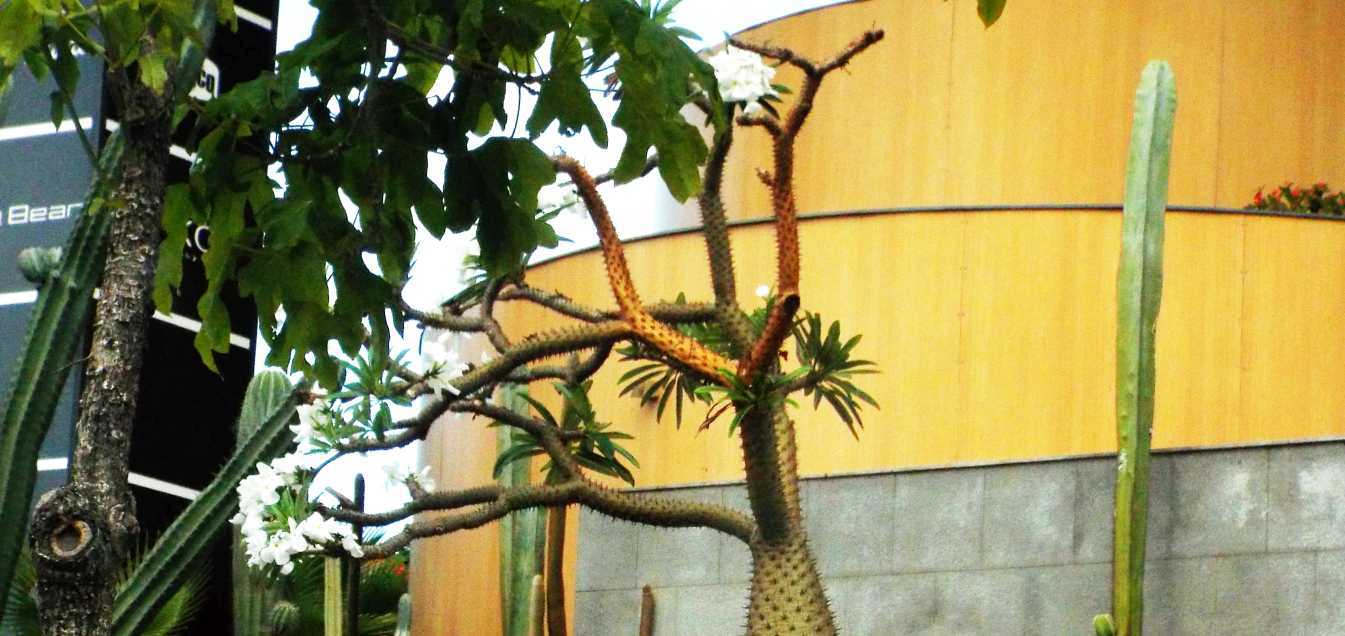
(80, 532)
(787, 595)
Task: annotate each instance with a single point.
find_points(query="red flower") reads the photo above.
(1258, 199)
(399, 569)
(1297, 192)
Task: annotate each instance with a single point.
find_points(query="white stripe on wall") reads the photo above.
(42, 128)
(190, 324)
(52, 463)
(18, 298)
(159, 485)
(255, 18)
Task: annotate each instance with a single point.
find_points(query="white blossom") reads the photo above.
(311, 418)
(742, 76)
(444, 363)
(352, 546)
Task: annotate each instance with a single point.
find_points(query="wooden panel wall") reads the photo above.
(995, 334)
(1037, 108)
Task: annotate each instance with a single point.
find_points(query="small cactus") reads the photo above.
(37, 264)
(1103, 625)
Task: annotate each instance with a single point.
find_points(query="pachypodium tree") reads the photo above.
(333, 255)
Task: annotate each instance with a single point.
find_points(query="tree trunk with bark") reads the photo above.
(81, 532)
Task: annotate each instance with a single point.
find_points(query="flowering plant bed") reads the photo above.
(1288, 197)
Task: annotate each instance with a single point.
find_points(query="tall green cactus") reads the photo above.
(522, 533)
(58, 323)
(192, 532)
(268, 392)
(1139, 290)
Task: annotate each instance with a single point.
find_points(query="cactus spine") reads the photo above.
(168, 563)
(1139, 289)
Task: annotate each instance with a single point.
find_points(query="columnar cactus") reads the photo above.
(269, 392)
(1139, 288)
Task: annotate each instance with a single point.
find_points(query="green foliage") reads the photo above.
(176, 614)
(1139, 289)
(43, 34)
(370, 389)
(826, 373)
(191, 534)
(20, 604)
(596, 447)
(658, 379)
(989, 10)
(362, 135)
(830, 369)
(767, 391)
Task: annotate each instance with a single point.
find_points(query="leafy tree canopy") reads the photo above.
(362, 136)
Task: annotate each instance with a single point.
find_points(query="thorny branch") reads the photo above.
(494, 502)
(783, 203)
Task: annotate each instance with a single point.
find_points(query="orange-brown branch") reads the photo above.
(783, 204)
(667, 340)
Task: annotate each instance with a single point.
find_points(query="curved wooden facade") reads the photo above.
(994, 327)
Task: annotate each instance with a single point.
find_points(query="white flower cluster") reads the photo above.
(270, 536)
(742, 77)
(444, 363)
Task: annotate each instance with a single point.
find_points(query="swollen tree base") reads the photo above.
(787, 596)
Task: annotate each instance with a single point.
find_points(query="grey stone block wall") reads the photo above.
(1248, 541)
